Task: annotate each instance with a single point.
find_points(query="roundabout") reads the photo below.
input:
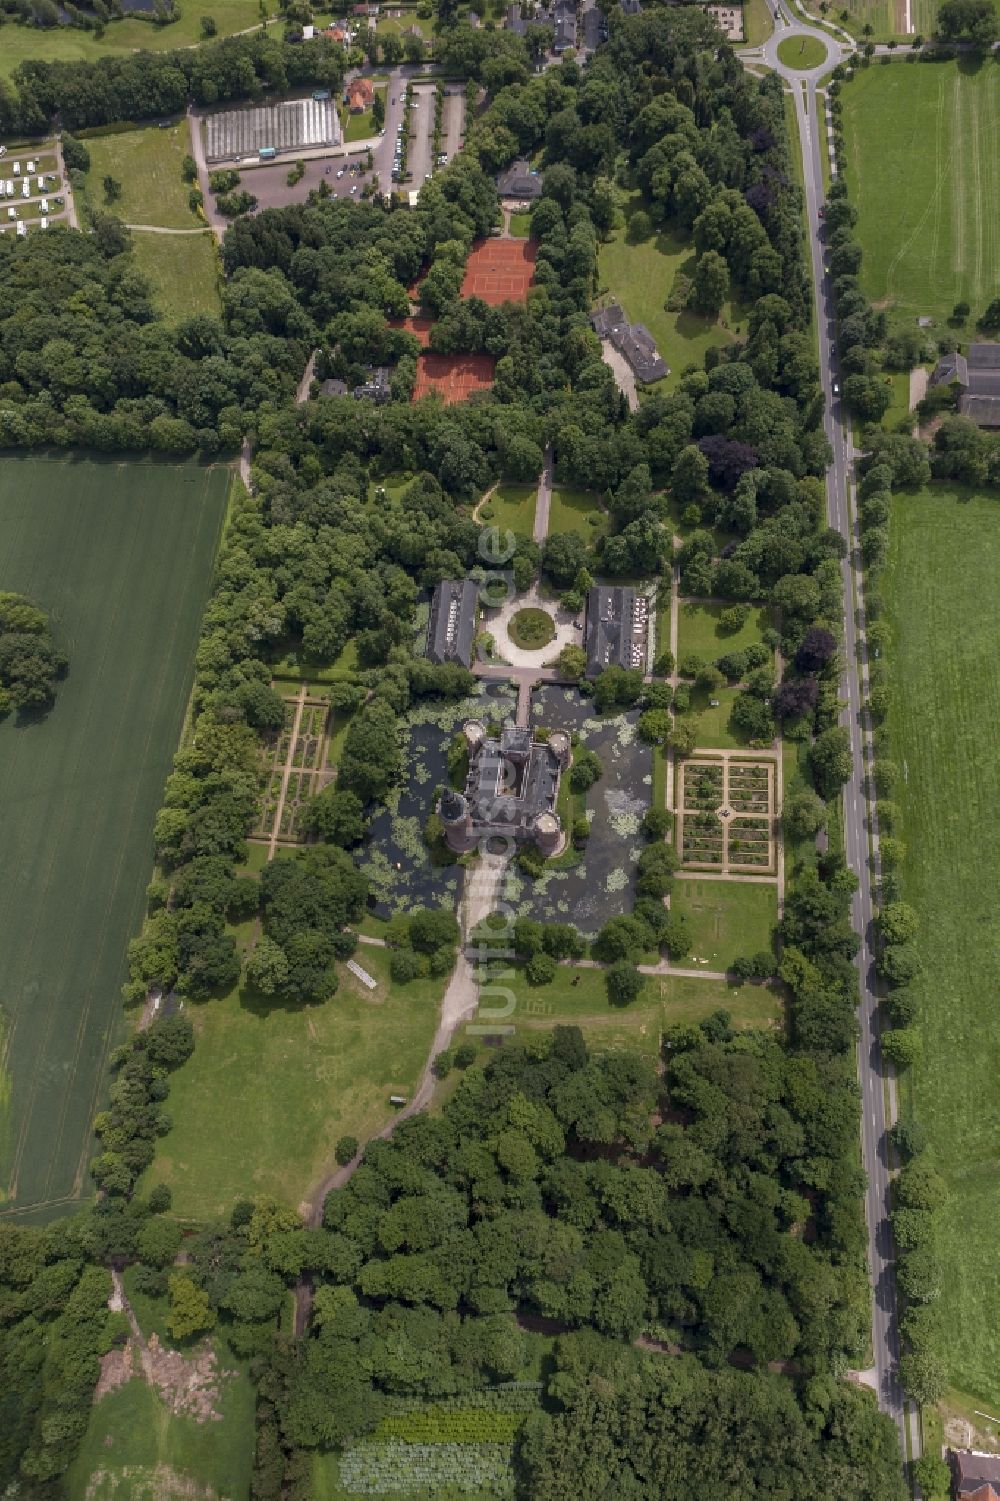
(529, 631)
(802, 52)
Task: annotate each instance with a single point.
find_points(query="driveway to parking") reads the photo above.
(420, 160)
(454, 120)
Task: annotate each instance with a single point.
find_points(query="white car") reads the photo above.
(355, 188)
(340, 173)
(836, 389)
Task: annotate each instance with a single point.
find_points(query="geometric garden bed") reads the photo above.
(727, 813)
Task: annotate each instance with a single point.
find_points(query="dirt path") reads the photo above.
(919, 381)
(67, 187)
(622, 372)
(458, 1004)
(286, 774)
(159, 229)
(302, 391)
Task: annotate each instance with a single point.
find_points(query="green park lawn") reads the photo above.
(182, 271)
(147, 164)
(714, 732)
(512, 508)
(925, 176)
(269, 1089)
(801, 52)
(68, 44)
(667, 1000)
(576, 511)
(729, 919)
(640, 277)
(944, 610)
(121, 555)
(520, 226)
(758, 22)
(698, 630)
(136, 1449)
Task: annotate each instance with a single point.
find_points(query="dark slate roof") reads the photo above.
(982, 409)
(984, 356)
(607, 319)
(515, 21)
(632, 7)
(564, 21)
(974, 1472)
(452, 625)
(632, 340)
(376, 387)
(949, 369)
(508, 793)
(333, 388)
(519, 181)
(609, 628)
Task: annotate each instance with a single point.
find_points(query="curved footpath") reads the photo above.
(877, 1086)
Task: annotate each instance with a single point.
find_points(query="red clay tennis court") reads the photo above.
(500, 270)
(419, 325)
(453, 376)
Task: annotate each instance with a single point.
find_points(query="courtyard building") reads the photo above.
(452, 627)
(510, 792)
(617, 628)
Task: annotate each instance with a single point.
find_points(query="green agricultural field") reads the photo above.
(136, 1449)
(147, 164)
(641, 275)
(729, 919)
(924, 171)
(666, 1001)
(120, 554)
(65, 44)
(182, 271)
(269, 1089)
(576, 511)
(940, 586)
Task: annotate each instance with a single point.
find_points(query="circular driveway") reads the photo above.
(833, 51)
(497, 621)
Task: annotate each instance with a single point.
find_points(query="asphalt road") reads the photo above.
(810, 115)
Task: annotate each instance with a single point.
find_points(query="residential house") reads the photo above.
(632, 340)
(564, 25)
(976, 1476)
(976, 376)
(360, 94)
(375, 388)
(520, 181)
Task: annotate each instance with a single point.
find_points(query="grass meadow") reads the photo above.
(147, 163)
(512, 508)
(944, 609)
(136, 1449)
(120, 555)
(641, 275)
(577, 997)
(269, 1089)
(924, 172)
(65, 44)
(729, 919)
(576, 511)
(182, 271)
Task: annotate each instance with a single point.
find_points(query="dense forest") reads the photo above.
(713, 1211)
